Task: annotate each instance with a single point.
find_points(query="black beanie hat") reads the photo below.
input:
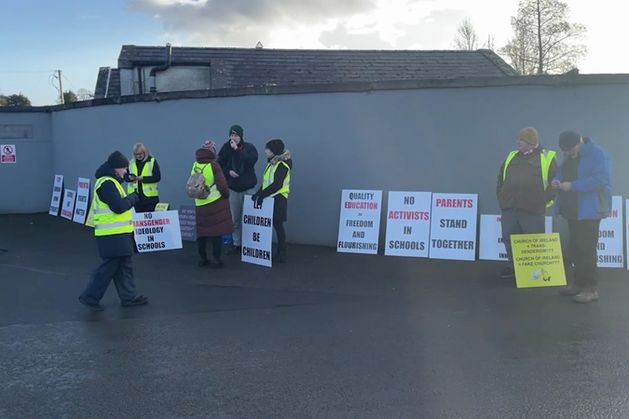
(568, 139)
(117, 160)
(238, 130)
(276, 146)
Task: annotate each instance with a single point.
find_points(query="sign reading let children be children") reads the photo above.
(537, 260)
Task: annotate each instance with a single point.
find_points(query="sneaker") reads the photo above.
(569, 291)
(140, 300)
(95, 307)
(507, 273)
(586, 296)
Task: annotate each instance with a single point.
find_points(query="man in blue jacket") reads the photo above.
(584, 184)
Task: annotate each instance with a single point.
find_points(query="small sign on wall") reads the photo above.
(8, 153)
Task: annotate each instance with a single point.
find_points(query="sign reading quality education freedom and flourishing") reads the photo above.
(55, 200)
(156, 231)
(82, 200)
(491, 246)
(453, 226)
(67, 209)
(359, 224)
(610, 238)
(408, 224)
(257, 232)
(538, 260)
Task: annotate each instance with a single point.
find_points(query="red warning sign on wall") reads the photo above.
(7, 153)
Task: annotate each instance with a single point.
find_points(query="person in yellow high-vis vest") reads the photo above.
(524, 191)
(113, 228)
(144, 177)
(276, 184)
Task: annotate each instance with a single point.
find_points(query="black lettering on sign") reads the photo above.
(408, 230)
(150, 238)
(256, 237)
(358, 234)
(409, 200)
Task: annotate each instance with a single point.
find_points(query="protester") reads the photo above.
(213, 216)
(144, 175)
(523, 190)
(584, 184)
(113, 228)
(276, 184)
(237, 159)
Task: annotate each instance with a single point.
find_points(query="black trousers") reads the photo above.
(281, 235)
(519, 222)
(582, 249)
(217, 247)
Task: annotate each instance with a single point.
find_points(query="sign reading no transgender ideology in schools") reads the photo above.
(82, 200)
(537, 260)
(8, 153)
(491, 246)
(359, 224)
(408, 224)
(156, 231)
(453, 226)
(67, 209)
(55, 200)
(610, 247)
(257, 232)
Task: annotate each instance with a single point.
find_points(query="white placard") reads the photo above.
(257, 232)
(408, 224)
(67, 210)
(156, 231)
(359, 224)
(82, 200)
(188, 222)
(8, 153)
(491, 246)
(453, 226)
(55, 200)
(610, 238)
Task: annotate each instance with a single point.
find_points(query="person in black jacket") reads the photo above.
(113, 227)
(276, 184)
(238, 159)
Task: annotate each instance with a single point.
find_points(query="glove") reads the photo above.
(257, 199)
(134, 198)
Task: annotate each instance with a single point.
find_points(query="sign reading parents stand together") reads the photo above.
(491, 246)
(453, 226)
(408, 224)
(257, 232)
(67, 210)
(82, 200)
(55, 200)
(359, 224)
(155, 231)
(537, 260)
(610, 238)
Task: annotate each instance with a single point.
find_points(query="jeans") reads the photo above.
(236, 200)
(120, 269)
(217, 245)
(582, 249)
(520, 222)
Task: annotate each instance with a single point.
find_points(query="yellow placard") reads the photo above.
(90, 217)
(162, 206)
(538, 260)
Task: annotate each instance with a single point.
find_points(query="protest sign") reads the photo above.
(162, 206)
(67, 210)
(408, 224)
(257, 232)
(8, 153)
(491, 246)
(453, 226)
(82, 201)
(359, 224)
(156, 231)
(188, 222)
(55, 200)
(610, 238)
(538, 260)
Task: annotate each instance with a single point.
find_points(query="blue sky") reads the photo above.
(78, 37)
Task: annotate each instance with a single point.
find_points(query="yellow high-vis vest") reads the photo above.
(208, 175)
(546, 159)
(107, 222)
(269, 177)
(150, 189)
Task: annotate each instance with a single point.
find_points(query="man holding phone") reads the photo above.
(238, 159)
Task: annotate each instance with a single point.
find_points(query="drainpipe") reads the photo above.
(166, 66)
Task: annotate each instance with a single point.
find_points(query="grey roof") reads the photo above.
(251, 67)
(107, 83)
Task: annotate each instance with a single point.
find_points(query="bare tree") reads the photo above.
(543, 39)
(84, 94)
(466, 38)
